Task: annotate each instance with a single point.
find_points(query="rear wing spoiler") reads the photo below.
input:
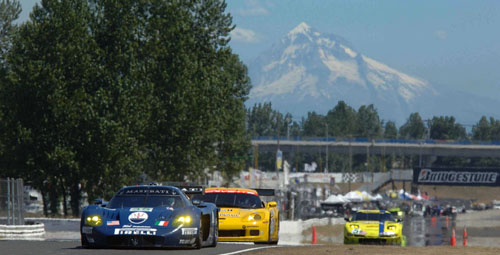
(265, 192)
(188, 188)
(192, 190)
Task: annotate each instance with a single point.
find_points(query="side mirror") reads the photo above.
(99, 201)
(196, 202)
(399, 220)
(271, 204)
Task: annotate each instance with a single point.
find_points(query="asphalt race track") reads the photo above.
(73, 247)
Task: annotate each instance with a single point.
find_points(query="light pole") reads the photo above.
(278, 151)
(428, 136)
(287, 127)
(326, 168)
(350, 163)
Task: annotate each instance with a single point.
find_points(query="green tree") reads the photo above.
(314, 125)
(81, 116)
(51, 65)
(234, 142)
(184, 57)
(9, 12)
(445, 128)
(111, 89)
(486, 130)
(368, 122)
(342, 120)
(261, 120)
(390, 130)
(122, 96)
(414, 128)
(482, 130)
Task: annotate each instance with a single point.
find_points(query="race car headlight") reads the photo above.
(391, 228)
(93, 220)
(254, 217)
(183, 220)
(354, 226)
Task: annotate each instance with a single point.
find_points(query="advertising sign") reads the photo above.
(458, 176)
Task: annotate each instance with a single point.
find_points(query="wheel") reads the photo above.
(269, 238)
(272, 242)
(216, 233)
(85, 243)
(277, 231)
(199, 239)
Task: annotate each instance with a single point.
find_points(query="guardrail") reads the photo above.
(12, 200)
(34, 231)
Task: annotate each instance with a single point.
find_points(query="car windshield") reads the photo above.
(359, 216)
(121, 201)
(237, 200)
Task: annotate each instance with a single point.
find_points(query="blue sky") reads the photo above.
(454, 43)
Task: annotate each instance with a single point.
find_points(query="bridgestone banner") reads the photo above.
(457, 176)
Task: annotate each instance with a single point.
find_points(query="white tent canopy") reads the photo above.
(367, 196)
(354, 196)
(360, 196)
(377, 197)
(335, 199)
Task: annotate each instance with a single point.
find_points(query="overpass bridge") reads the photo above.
(422, 148)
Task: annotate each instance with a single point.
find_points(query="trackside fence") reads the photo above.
(12, 201)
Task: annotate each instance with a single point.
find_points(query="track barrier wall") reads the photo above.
(22, 231)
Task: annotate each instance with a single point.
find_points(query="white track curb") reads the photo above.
(22, 232)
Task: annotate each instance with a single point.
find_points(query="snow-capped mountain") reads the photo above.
(311, 71)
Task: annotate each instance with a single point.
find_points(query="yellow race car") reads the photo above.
(373, 227)
(243, 216)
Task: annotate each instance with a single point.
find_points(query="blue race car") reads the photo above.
(151, 216)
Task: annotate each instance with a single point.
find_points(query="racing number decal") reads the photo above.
(356, 231)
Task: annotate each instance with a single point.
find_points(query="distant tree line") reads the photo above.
(97, 94)
(343, 121)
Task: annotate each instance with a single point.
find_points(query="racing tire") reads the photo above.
(199, 238)
(215, 234)
(269, 240)
(85, 243)
(277, 231)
